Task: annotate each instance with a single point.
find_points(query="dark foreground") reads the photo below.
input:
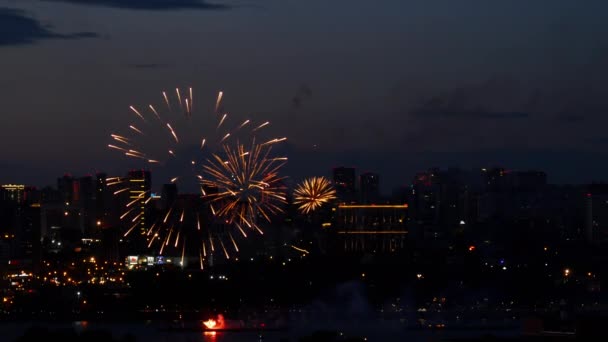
(532, 330)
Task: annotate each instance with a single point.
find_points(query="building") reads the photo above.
(370, 228)
(528, 180)
(19, 232)
(443, 201)
(27, 234)
(60, 226)
(48, 194)
(86, 202)
(65, 187)
(78, 197)
(12, 192)
(510, 194)
(139, 184)
(103, 200)
(596, 213)
(369, 185)
(8, 218)
(344, 182)
(168, 196)
(424, 200)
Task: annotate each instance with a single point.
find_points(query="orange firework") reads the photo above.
(247, 184)
(163, 136)
(312, 193)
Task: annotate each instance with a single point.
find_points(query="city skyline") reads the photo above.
(419, 86)
(288, 170)
(361, 187)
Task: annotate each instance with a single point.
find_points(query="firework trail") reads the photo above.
(240, 186)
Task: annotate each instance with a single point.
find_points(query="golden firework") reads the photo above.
(246, 183)
(162, 137)
(312, 193)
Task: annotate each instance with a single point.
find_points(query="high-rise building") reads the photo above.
(65, 187)
(102, 199)
(596, 213)
(529, 180)
(28, 234)
(8, 210)
(424, 200)
(441, 201)
(86, 203)
(369, 187)
(19, 227)
(48, 194)
(140, 184)
(344, 182)
(87, 191)
(78, 196)
(500, 179)
(508, 194)
(168, 195)
(31, 195)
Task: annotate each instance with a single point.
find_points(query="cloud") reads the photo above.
(303, 93)
(478, 113)
(16, 28)
(150, 4)
(497, 112)
(496, 98)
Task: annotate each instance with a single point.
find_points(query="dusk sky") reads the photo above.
(391, 86)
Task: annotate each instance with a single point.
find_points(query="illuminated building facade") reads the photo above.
(13, 192)
(371, 228)
(139, 183)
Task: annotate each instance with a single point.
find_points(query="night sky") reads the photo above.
(392, 86)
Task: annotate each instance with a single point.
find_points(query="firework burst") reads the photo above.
(237, 186)
(312, 193)
(247, 183)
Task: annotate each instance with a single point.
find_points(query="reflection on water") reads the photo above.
(145, 332)
(151, 332)
(210, 335)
